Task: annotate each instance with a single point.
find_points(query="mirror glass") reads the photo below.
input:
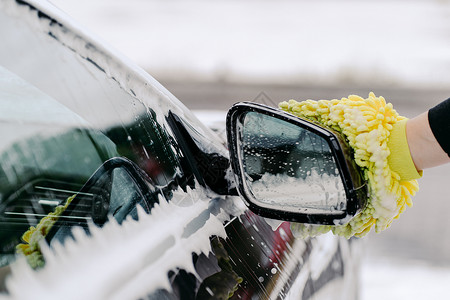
(289, 168)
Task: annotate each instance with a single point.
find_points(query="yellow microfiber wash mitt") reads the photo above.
(30, 247)
(372, 127)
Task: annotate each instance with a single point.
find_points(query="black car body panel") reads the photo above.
(77, 105)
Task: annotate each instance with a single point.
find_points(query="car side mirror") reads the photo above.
(291, 169)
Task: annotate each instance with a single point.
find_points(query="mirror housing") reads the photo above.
(287, 168)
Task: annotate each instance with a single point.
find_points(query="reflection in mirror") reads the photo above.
(289, 168)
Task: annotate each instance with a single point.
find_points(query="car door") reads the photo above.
(79, 119)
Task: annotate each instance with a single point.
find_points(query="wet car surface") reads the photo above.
(155, 195)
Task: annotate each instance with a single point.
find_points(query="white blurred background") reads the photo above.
(263, 41)
(211, 53)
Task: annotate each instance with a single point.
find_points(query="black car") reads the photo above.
(131, 197)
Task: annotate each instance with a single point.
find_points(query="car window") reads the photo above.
(49, 152)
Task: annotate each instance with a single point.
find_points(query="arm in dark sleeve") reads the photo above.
(439, 119)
